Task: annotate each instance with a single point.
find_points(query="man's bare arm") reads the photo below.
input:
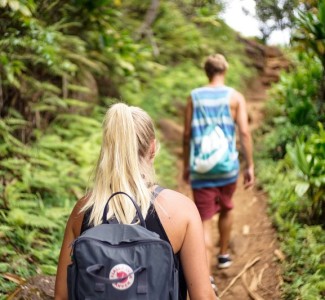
(187, 138)
(245, 139)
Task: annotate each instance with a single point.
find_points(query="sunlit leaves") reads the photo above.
(23, 7)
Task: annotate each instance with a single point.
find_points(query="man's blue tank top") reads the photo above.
(215, 102)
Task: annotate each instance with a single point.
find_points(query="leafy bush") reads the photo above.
(304, 276)
(292, 109)
(295, 95)
(41, 182)
(303, 268)
(276, 141)
(291, 169)
(308, 160)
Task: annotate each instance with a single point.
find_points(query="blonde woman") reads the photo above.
(126, 164)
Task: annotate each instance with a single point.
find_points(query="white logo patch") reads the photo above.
(120, 271)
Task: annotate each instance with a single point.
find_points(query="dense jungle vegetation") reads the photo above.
(62, 62)
(291, 160)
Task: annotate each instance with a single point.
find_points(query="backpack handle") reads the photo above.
(137, 208)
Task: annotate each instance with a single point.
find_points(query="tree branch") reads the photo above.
(149, 18)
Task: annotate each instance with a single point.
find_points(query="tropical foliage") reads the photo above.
(310, 37)
(292, 165)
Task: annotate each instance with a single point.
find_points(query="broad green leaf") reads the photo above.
(301, 188)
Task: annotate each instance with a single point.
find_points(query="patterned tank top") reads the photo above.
(215, 102)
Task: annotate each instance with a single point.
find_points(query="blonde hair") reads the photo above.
(124, 164)
(215, 64)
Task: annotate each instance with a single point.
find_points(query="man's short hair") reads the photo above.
(215, 64)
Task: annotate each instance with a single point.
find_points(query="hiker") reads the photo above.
(213, 185)
(126, 164)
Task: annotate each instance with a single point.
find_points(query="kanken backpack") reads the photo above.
(122, 261)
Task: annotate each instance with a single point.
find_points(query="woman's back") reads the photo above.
(126, 164)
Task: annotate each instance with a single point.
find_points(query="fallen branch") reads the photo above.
(260, 275)
(14, 294)
(16, 279)
(250, 289)
(254, 282)
(247, 266)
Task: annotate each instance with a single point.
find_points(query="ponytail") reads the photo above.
(123, 164)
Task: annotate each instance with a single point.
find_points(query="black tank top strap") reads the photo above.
(85, 221)
(156, 191)
(152, 220)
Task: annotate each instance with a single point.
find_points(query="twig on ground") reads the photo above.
(260, 275)
(246, 267)
(250, 290)
(256, 281)
(279, 254)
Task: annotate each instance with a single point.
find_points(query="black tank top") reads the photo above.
(153, 224)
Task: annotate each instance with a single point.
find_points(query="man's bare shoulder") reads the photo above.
(237, 97)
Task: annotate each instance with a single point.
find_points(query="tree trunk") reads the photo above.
(149, 18)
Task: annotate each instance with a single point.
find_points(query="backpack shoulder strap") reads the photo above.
(156, 192)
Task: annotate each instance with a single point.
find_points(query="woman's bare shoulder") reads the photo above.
(172, 195)
(176, 202)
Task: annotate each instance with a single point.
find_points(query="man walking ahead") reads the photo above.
(217, 104)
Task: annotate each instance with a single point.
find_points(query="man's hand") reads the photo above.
(249, 177)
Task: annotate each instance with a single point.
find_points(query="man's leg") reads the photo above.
(225, 225)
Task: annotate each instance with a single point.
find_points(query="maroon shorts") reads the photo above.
(212, 200)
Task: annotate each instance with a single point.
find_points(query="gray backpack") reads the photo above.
(120, 261)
